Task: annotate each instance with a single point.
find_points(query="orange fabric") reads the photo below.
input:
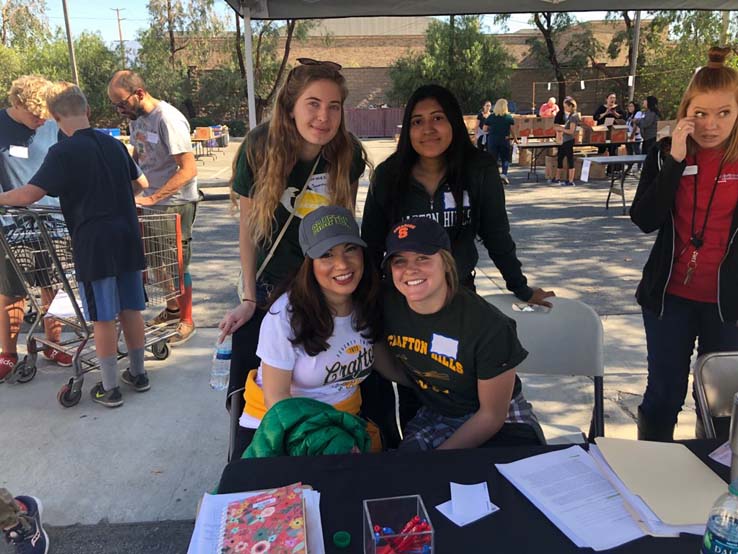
(255, 407)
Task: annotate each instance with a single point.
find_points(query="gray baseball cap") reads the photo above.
(325, 227)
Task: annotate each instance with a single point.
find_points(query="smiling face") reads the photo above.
(318, 112)
(430, 130)
(339, 271)
(715, 114)
(421, 279)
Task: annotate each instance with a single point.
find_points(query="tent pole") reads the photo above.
(634, 61)
(248, 50)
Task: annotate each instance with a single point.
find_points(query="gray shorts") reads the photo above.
(11, 284)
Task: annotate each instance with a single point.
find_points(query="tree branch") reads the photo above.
(287, 45)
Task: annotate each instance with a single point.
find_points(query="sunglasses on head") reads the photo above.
(310, 61)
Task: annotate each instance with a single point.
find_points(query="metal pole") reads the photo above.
(634, 60)
(70, 44)
(120, 37)
(248, 50)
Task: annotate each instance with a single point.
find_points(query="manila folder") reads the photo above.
(675, 484)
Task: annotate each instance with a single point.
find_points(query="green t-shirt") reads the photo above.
(445, 353)
(499, 126)
(288, 255)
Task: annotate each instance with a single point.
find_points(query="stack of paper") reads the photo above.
(670, 490)
(468, 504)
(206, 534)
(568, 487)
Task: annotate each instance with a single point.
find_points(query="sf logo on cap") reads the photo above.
(402, 230)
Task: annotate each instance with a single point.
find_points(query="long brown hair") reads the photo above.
(272, 155)
(715, 76)
(311, 318)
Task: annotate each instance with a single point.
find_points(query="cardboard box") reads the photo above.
(524, 157)
(665, 128)
(552, 168)
(588, 121)
(595, 135)
(596, 171)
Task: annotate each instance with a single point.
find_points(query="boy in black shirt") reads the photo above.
(94, 178)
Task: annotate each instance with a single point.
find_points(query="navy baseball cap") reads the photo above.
(417, 234)
(325, 227)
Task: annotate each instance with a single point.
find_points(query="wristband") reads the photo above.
(248, 300)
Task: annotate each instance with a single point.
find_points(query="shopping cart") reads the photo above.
(39, 247)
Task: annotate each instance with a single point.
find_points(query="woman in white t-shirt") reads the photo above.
(316, 340)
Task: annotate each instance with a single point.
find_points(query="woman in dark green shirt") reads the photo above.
(454, 349)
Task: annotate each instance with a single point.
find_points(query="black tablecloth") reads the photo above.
(518, 528)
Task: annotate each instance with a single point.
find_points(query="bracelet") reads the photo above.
(248, 300)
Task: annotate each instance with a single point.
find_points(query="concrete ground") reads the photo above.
(128, 480)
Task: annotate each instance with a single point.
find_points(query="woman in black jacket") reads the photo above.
(688, 191)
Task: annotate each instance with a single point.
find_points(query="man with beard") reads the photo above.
(160, 136)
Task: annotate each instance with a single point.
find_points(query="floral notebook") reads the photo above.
(272, 522)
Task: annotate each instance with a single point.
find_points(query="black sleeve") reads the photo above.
(52, 175)
(358, 164)
(490, 219)
(374, 222)
(598, 115)
(656, 190)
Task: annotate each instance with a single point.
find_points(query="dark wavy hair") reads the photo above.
(459, 153)
(310, 316)
(652, 103)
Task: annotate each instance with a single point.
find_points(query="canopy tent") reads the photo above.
(325, 9)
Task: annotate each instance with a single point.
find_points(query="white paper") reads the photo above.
(723, 454)
(18, 151)
(585, 170)
(61, 306)
(447, 510)
(568, 487)
(206, 534)
(469, 500)
(609, 121)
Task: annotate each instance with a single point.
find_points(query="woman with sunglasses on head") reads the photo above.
(457, 351)
(318, 333)
(301, 159)
(688, 192)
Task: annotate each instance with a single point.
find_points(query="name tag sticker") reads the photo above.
(153, 138)
(444, 346)
(18, 151)
(690, 170)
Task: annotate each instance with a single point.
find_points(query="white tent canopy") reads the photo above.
(325, 9)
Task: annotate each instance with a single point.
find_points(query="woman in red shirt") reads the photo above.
(689, 291)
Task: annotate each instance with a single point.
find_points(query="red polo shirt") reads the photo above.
(704, 283)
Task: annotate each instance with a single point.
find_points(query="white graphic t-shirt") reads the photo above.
(331, 377)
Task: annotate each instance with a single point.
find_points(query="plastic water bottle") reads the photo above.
(721, 535)
(220, 369)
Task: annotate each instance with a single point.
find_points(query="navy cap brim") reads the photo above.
(317, 250)
(427, 249)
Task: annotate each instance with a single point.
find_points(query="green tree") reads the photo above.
(459, 56)
(672, 62)
(22, 23)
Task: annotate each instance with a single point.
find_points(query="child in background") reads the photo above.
(94, 178)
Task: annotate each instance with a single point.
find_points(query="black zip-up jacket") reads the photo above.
(652, 210)
(484, 216)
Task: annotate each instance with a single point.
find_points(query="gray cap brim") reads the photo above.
(323, 246)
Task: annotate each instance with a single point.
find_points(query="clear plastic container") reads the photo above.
(399, 524)
(220, 369)
(721, 535)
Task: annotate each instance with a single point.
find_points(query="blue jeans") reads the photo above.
(670, 341)
(500, 149)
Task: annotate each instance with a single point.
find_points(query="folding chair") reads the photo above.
(715, 382)
(567, 340)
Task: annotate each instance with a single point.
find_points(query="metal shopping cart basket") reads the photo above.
(39, 247)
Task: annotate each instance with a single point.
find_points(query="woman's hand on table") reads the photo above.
(237, 317)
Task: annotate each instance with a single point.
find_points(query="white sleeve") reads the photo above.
(175, 133)
(275, 348)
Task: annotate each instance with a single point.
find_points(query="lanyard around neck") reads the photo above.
(696, 239)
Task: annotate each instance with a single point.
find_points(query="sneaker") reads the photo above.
(110, 398)
(566, 183)
(165, 317)
(28, 536)
(184, 332)
(555, 182)
(138, 382)
(505, 180)
(7, 365)
(59, 358)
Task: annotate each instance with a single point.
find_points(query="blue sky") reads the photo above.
(99, 16)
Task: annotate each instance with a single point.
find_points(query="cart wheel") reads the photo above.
(160, 350)
(25, 371)
(67, 397)
(30, 317)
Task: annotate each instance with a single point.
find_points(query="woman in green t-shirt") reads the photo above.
(452, 347)
(301, 159)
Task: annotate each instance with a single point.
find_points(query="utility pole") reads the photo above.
(70, 45)
(120, 36)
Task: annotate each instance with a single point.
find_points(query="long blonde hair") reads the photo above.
(713, 77)
(272, 155)
(500, 107)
